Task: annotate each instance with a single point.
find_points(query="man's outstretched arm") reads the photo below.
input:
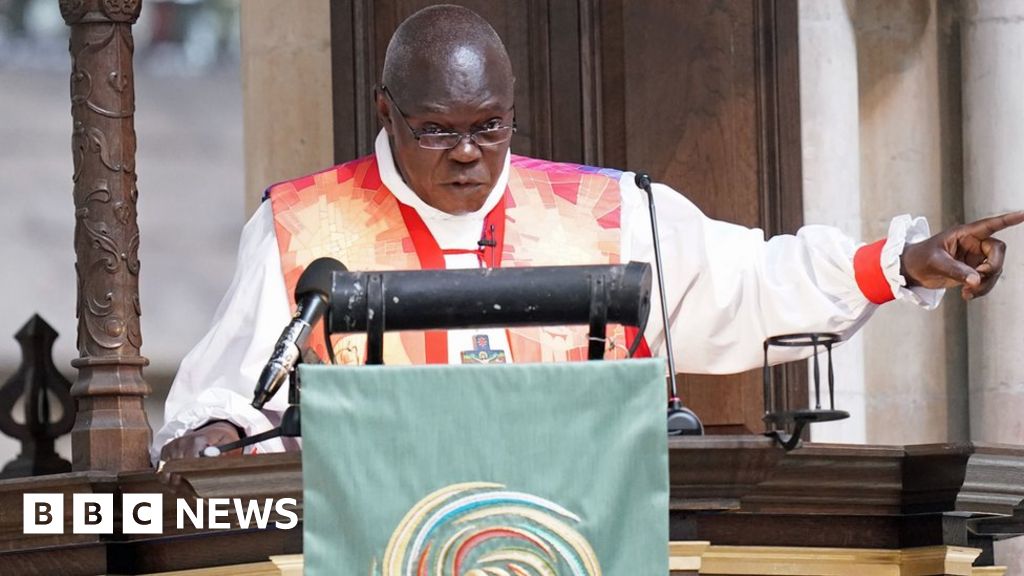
(729, 288)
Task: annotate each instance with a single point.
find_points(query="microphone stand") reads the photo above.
(681, 420)
(290, 427)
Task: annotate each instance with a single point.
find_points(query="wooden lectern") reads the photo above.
(739, 505)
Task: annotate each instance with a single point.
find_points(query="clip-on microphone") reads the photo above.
(681, 420)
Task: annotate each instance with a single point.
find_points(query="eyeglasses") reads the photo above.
(432, 140)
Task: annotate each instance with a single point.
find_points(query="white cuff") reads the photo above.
(905, 230)
(217, 404)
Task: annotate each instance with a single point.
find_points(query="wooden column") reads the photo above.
(111, 431)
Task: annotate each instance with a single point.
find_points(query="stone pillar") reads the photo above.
(111, 431)
(915, 362)
(993, 112)
(831, 172)
(286, 92)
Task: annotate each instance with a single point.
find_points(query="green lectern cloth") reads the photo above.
(514, 470)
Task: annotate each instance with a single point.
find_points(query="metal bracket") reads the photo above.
(597, 337)
(799, 418)
(374, 319)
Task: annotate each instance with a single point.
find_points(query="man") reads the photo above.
(442, 190)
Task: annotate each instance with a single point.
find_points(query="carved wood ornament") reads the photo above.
(37, 381)
(111, 431)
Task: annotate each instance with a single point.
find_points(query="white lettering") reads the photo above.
(195, 516)
(262, 516)
(293, 518)
(218, 508)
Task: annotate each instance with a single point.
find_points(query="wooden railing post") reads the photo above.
(37, 382)
(111, 431)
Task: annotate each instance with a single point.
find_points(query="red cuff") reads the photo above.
(867, 269)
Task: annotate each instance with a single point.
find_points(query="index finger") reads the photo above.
(988, 226)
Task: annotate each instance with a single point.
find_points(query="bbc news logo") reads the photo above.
(144, 513)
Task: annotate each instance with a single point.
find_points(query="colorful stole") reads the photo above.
(551, 214)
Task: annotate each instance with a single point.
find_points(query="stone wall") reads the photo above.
(931, 124)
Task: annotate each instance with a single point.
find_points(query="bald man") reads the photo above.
(443, 191)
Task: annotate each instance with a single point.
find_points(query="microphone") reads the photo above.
(487, 239)
(681, 420)
(312, 295)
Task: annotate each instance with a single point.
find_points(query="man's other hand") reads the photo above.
(965, 255)
(191, 445)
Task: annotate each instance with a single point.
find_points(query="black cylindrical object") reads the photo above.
(493, 297)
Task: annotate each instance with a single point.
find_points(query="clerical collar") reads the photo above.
(393, 180)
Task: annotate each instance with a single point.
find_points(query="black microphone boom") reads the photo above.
(312, 295)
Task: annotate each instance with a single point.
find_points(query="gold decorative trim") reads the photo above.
(938, 560)
(989, 571)
(255, 569)
(284, 565)
(727, 560)
(686, 555)
(792, 561)
(289, 565)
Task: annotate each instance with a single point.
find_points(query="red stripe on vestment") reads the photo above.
(431, 257)
(642, 349)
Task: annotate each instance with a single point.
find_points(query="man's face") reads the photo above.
(457, 180)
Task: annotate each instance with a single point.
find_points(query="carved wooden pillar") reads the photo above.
(111, 431)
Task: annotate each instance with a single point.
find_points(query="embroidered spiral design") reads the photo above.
(482, 529)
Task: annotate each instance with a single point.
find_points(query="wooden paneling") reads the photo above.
(701, 94)
(352, 78)
(704, 95)
(361, 30)
(689, 84)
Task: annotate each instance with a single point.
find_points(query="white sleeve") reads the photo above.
(216, 379)
(728, 289)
